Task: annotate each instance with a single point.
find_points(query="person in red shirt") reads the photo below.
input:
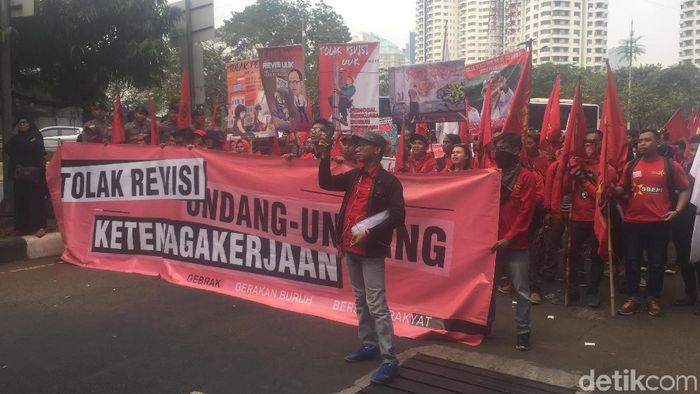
(447, 144)
(460, 159)
(536, 160)
(517, 208)
(647, 184)
(581, 181)
(419, 161)
(537, 163)
(369, 190)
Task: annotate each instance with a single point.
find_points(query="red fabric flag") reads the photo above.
(155, 135)
(676, 127)
(184, 113)
(689, 125)
(600, 216)
(695, 128)
(118, 134)
(573, 147)
(214, 114)
(400, 148)
(516, 120)
(550, 134)
(485, 160)
(613, 125)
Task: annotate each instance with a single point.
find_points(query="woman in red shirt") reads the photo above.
(461, 159)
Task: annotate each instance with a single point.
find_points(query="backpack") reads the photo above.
(669, 170)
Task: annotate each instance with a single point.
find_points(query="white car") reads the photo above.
(56, 135)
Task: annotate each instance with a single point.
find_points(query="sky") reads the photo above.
(657, 21)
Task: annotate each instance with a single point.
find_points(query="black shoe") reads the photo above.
(522, 342)
(559, 299)
(592, 301)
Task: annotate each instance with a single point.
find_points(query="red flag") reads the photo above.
(155, 135)
(550, 135)
(600, 217)
(676, 127)
(695, 127)
(612, 124)
(214, 114)
(516, 120)
(184, 113)
(485, 160)
(118, 134)
(573, 146)
(691, 121)
(400, 148)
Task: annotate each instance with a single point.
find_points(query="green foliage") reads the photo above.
(282, 22)
(73, 49)
(656, 92)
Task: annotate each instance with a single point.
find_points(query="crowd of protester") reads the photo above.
(539, 221)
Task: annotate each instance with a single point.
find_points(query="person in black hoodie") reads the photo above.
(27, 168)
(369, 190)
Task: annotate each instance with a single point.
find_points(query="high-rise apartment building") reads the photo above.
(690, 32)
(564, 31)
(437, 20)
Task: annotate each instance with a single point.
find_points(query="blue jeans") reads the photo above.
(517, 263)
(375, 327)
(653, 237)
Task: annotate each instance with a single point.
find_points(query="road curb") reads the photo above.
(30, 247)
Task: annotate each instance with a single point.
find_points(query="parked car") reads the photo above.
(56, 135)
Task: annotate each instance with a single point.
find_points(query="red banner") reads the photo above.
(284, 82)
(260, 228)
(348, 85)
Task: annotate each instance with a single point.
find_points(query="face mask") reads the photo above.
(590, 151)
(506, 159)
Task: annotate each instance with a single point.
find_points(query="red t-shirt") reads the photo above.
(516, 213)
(540, 164)
(356, 209)
(425, 165)
(649, 200)
(583, 196)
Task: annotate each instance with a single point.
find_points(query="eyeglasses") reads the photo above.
(316, 128)
(294, 82)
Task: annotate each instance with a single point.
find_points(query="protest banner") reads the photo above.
(283, 80)
(427, 92)
(260, 228)
(502, 73)
(348, 85)
(245, 88)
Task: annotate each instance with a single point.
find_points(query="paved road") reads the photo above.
(73, 330)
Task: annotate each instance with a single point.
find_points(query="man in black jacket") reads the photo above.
(369, 190)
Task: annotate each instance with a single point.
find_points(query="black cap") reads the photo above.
(420, 137)
(371, 137)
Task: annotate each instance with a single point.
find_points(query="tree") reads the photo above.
(283, 22)
(73, 49)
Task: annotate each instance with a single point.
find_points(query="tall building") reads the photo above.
(389, 53)
(565, 31)
(689, 36)
(436, 19)
(411, 47)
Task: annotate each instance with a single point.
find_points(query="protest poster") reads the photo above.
(261, 229)
(284, 82)
(348, 85)
(503, 73)
(427, 92)
(245, 88)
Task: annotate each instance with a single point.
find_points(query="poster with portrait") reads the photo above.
(283, 79)
(246, 96)
(503, 73)
(348, 85)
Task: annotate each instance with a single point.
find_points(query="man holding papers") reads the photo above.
(372, 208)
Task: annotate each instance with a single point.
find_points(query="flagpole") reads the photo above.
(567, 268)
(611, 267)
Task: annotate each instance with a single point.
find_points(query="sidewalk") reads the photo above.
(13, 248)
